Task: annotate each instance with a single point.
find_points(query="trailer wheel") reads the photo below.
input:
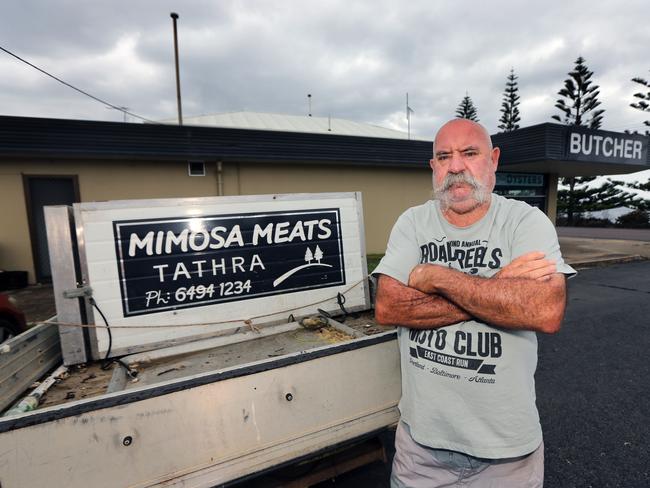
(7, 330)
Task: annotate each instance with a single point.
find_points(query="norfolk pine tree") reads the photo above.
(466, 109)
(510, 106)
(642, 103)
(579, 107)
(640, 186)
(582, 198)
(580, 99)
(643, 100)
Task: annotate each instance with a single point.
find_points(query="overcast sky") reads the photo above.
(358, 59)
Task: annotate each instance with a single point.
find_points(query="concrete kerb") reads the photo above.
(593, 263)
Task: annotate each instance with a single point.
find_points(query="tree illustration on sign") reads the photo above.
(318, 254)
(309, 257)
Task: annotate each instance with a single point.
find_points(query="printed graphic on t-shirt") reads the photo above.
(449, 352)
(467, 256)
(468, 353)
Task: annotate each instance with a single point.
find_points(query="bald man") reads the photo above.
(470, 277)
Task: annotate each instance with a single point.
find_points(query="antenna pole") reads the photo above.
(174, 17)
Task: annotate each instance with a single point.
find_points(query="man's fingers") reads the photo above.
(540, 263)
(520, 264)
(542, 272)
(531, 265)
(537, 269)
(522, 269)
(529, 256)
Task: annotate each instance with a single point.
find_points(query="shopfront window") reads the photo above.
(528, 187)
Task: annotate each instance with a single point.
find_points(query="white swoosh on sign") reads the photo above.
(295, 270)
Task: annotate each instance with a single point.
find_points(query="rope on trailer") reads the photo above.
(247, 322)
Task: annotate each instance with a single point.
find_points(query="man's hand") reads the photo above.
(531, 265)
(398, 304)
(420, 278)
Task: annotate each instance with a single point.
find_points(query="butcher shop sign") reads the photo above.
(606, 147)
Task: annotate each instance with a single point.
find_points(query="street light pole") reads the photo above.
(174, 17)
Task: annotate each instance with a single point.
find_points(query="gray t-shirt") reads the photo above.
(470, 387)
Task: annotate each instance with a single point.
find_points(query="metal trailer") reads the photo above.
(208, 408)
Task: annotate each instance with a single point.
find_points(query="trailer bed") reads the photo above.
(91, 379)
(209, 417)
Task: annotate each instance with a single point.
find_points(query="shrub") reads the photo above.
(635, 219)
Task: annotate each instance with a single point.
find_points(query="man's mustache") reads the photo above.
(456, 178)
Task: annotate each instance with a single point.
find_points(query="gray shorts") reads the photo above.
(418, 466)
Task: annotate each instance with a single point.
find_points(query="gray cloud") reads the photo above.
(358, 59)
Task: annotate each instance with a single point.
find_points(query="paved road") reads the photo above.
(605, 233)
(593, 387)
(593, 382)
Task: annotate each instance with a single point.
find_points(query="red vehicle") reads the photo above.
(12, 320)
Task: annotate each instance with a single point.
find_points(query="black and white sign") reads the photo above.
(172, 263)
(606, 147)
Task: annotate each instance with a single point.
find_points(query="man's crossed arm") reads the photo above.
(527, 294)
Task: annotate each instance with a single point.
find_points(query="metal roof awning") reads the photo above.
(543, 148)
(572, 151)
(26, 137)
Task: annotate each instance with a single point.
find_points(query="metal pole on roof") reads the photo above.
(121, 109)
(174, 17)
(409, 111)
(309, 100)
(408, 116)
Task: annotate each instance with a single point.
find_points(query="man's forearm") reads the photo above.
(398, 304)
(509, 302)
